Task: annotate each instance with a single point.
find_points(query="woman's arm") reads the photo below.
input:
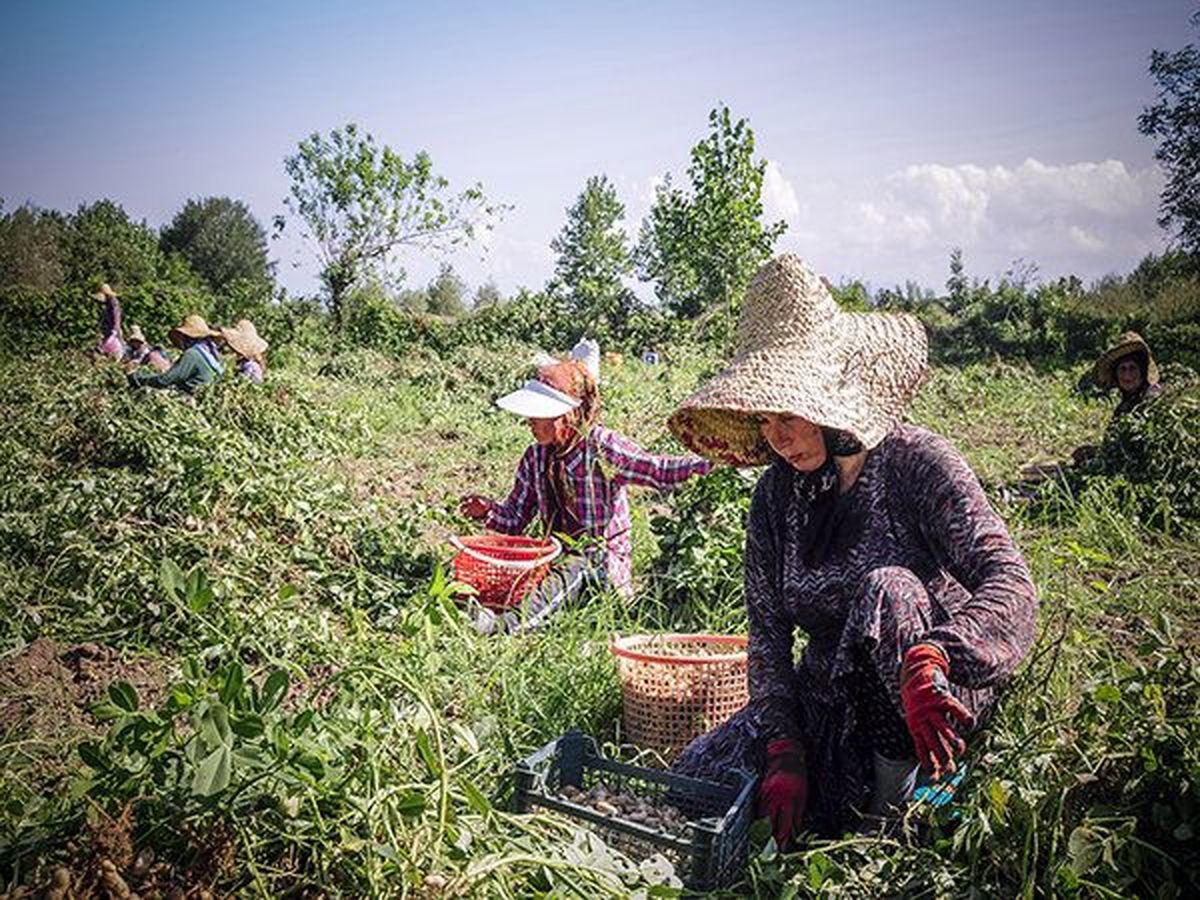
(635, 466)
(183, 369)
(771, 673)
(987, 637)
(517, 510)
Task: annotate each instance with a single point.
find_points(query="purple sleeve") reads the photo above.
(771, 671)
(986, 638)
(517, 510)
(635, 466)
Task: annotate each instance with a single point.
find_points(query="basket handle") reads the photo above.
(549, 556)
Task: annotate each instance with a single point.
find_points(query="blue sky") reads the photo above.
(894, 130)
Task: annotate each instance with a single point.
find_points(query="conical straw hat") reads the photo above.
(1130, 342)
(243, 337)
(799, 353)
(193, 326)
(135, 334)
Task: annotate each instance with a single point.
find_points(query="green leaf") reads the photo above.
(274, 689)
(476, 798)
(249, 727)
(213, 773)
(312, 763)
(214, 725)
(425, 749)
(410, 803)
(123, 696)
(1107, 693)
(232, 688)
(92, 755)
(172, 579)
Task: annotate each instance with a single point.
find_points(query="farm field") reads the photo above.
(232, 662)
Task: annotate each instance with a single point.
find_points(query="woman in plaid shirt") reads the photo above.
(573, 478)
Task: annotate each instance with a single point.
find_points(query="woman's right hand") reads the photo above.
(783, 792)
(475, 506)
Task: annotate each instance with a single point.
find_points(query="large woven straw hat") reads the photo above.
(136, 335)
(193, 326)
(799, 353)
(244, 338)
(1105, 372)
(103, 292)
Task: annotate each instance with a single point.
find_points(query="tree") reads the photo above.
(593, 256)
(104, 244)
(32, 256)
(221, 240)
(488, 294)
(1175, 121)
(358, 204)
(957, 286)
(445, 294)
(702, 247)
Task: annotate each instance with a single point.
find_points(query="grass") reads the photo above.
(289, 536)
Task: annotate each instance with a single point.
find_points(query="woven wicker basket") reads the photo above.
(676, 687)
(503, 568)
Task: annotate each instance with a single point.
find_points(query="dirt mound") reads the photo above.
(46, 689)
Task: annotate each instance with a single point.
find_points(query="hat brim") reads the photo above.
(1105, 369)
(537, 401)
(195, 334)
(860, 379)
(244, 344)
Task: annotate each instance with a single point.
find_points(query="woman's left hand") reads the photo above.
(930, 709)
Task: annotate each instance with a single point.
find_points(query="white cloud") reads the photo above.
(1086, 218)
(779, 197)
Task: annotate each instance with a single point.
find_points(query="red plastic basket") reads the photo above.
(503, 568)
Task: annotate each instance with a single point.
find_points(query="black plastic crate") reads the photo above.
(713, 852)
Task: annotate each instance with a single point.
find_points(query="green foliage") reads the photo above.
(593, 258)
(701, 247)
(445, 295)
(221, 241)
(1173, 122)
(32, 251)
(358, 204)
(104, 244)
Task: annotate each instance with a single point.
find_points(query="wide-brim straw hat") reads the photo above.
(103, 292)
(193, 326)
(244, 338)
(799, 353)
(1105, 371)
(135, 334)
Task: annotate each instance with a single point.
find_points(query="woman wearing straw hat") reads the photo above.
(574, 478)
(200, 363)
(872, 536)
(140, 353)
(1129, 367)
(111, 338)
(244, 340)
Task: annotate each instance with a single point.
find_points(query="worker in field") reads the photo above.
(139, 352)
(198, 365)
(573, 479)
(874, 538)
(111, 341)
(251, 349)
(1129, 367)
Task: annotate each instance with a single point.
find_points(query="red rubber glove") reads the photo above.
(928, 708)
(783, 793)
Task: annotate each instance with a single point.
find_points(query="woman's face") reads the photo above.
(551, 431)
(797, 440)
(1129, 375)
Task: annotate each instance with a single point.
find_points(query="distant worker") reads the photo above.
(199, 365)
(573, 478)
(139, 352)
(244, 340)
(1130, 368)
(111, 338)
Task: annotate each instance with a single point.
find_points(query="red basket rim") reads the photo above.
(470, 546)
(621, 646)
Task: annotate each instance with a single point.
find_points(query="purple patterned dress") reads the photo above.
(925, 559)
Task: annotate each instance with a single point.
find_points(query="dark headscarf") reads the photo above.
(828, 522)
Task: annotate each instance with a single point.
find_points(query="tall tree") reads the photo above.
(104, 244)
(221, 240)
(31, 249)
(445, 294)
(1174, 120)
(593, 256)
(701, 246)
(359, 203)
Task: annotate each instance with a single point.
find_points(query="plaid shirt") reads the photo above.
(599, 469)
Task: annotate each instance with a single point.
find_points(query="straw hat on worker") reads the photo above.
(1129, 344)
(192, 328)
(244, 339)
(798, 353)
(104, 292)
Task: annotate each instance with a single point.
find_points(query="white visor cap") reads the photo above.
(538, 401)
